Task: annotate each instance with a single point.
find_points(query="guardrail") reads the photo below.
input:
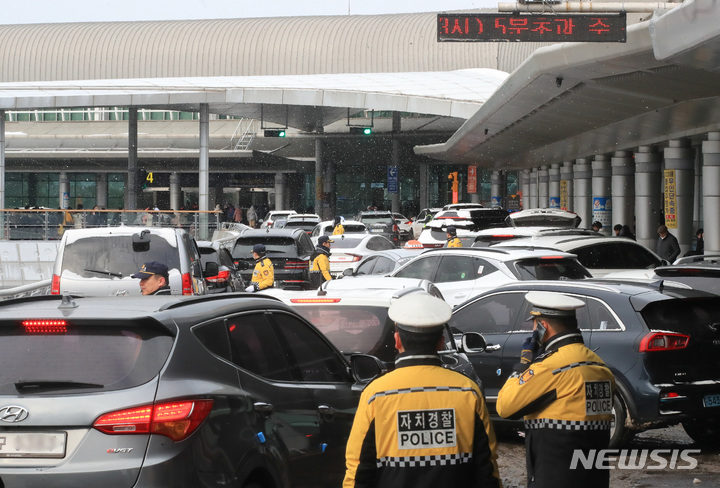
(50, 224)
(33, 289)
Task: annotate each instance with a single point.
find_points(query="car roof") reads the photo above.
(503, 254)
(558, 242)
(270, 232)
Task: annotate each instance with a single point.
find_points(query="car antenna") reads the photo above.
(67, 302)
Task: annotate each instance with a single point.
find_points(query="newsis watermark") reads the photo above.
(634, 459)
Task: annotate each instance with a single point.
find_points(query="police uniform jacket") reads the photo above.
(163, 290)
(565, 396)
(454, 242)
(321, 263)
(421, 426)
(263, 274)
(339, 229)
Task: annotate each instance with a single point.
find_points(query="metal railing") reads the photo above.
(50, 224)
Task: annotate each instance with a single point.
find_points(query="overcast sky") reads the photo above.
(41, 11)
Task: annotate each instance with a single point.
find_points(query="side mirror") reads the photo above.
(472, 342)
(212, 269)
(242, 265)
(366, 368)
(347, 272)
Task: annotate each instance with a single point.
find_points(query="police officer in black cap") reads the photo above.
(154, 279)
(452, 238)
(565, 393)
(264, 273)
(320, 262)
(421, 425)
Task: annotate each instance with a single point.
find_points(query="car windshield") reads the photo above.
(115, 254)
(121, 356)
(346, 243)
(274, 245)
(550, 268)
(378, 219)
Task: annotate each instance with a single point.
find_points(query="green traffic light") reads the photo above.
(367, 131)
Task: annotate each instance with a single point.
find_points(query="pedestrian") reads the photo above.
(452, 238)
(698, 246)
(617, 229)
(421, 425)
(320, 259)
(79, 218)
(338, 228)
(237, 215)
(667, 245)
(626, 232)
(154, 278)
(252, 216)
(564, 391)
(264, 273)
(597, 226)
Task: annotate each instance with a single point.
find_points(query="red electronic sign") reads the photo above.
(503, 27)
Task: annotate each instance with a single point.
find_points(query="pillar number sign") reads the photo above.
(670, 199)
(532, 27)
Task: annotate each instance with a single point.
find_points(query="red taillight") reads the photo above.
(552, 257)
(220, 277)
(187, 288)
(432, 246)
(55, 287)
(346, 258)
(315, 300)
(396, 228)
(45, 326)
(663, 341)
(176, 420)
(296, 264)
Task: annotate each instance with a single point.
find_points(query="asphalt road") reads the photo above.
(511, 460)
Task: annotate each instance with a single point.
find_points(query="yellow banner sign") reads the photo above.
(670, 199)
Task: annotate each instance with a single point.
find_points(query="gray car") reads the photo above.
(382, 223)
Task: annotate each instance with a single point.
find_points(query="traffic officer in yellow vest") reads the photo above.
(264, 273)
(339, 227)
(565, 393)
(421, 426)
(320, 268)
(452, 238)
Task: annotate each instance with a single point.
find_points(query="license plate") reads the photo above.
(377, 231)
(32, 445)
(711, 400)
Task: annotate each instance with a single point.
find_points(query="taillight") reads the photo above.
(45, 326)
(187, 288)
(396, 228)
(432, 246)
(315, 300)
(663, 341)
(296, 264)
(55, 287)
(176, 420)
(346, 258)
(220, 277)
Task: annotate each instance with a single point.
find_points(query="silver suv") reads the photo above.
(382, 223)
(99, 262)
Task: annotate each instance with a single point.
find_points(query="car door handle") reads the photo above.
(326, 412)
(264, 408)
(492, 347)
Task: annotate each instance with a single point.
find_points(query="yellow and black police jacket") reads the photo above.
(339, 229)
(454, 242)
(321, 262)
(565, 397)
(263, 274)
(422, 426)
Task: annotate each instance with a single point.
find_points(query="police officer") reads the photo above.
(564, 391)
(320, 268)
(154, 279)
(452, 238)
(264, 273)
(339, 227)
(421, 425)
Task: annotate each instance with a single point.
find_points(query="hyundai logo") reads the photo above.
(13, 413)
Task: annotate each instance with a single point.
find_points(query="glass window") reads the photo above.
(384, 265)
(423, 268)
(313, 358)
(366, 268)
(214, 337)
(256, 348)
(550, 269)
(455, 268)
(599, 256)
(600, 316)
(637, 257)
(379, 244)
(493, 314)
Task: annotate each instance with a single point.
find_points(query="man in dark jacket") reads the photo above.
(667, 245)
(320, 262)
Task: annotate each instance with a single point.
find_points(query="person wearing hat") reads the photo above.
(564, 391)
(452, 238)
(597, 226)
(320, 258)
(338, 228)
(421, 425)
(264, 273)
(154, 279)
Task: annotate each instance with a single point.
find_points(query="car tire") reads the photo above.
(704, 432)
(620, 434)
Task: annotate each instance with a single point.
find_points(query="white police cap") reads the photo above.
(420, 312)
(552, 304)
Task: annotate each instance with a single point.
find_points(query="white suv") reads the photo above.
(275, 215)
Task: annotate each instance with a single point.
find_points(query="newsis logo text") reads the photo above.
(634, 459)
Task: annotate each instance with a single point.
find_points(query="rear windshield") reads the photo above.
(544, 221)
(275, 246)
(112, 357)
(550, 269)
(86, 256)
(346, 243)
(699, 317)
(309, 224)
(378, 219)
(349, 229)
(354, 329)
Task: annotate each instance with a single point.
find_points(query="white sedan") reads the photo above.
(347, 250)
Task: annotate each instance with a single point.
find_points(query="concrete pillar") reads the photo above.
(525, 188)
(711, 192)
(698, 191)
(543, 184)
(582, 191)
(101, 190)
(496, 193)
(648, 197)
(567, 187)
(280, 184)
(623, 188)
(533, 188)
(424, 183)
(131, 189)
(554, 186)
(204, 171)
(601, 192)
(64, 184)
(319, 177)
(175, 191)
(396, 148)
(679, 157)
(2, 173)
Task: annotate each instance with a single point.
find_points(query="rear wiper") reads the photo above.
(105, 272)
(42, 385)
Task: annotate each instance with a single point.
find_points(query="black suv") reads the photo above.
(288, 249)
(382, 223)
(660, 342)
(169, 391)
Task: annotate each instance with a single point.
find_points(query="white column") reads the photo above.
(204, 171)
(679, 156)
(175, 191)
(711, 192)
(648, 195)
(623, 188)
(601, 192)
(582, 195)
(567, 187)
(554, 186)
(533, 188)
(525, 188)
(543, 184)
